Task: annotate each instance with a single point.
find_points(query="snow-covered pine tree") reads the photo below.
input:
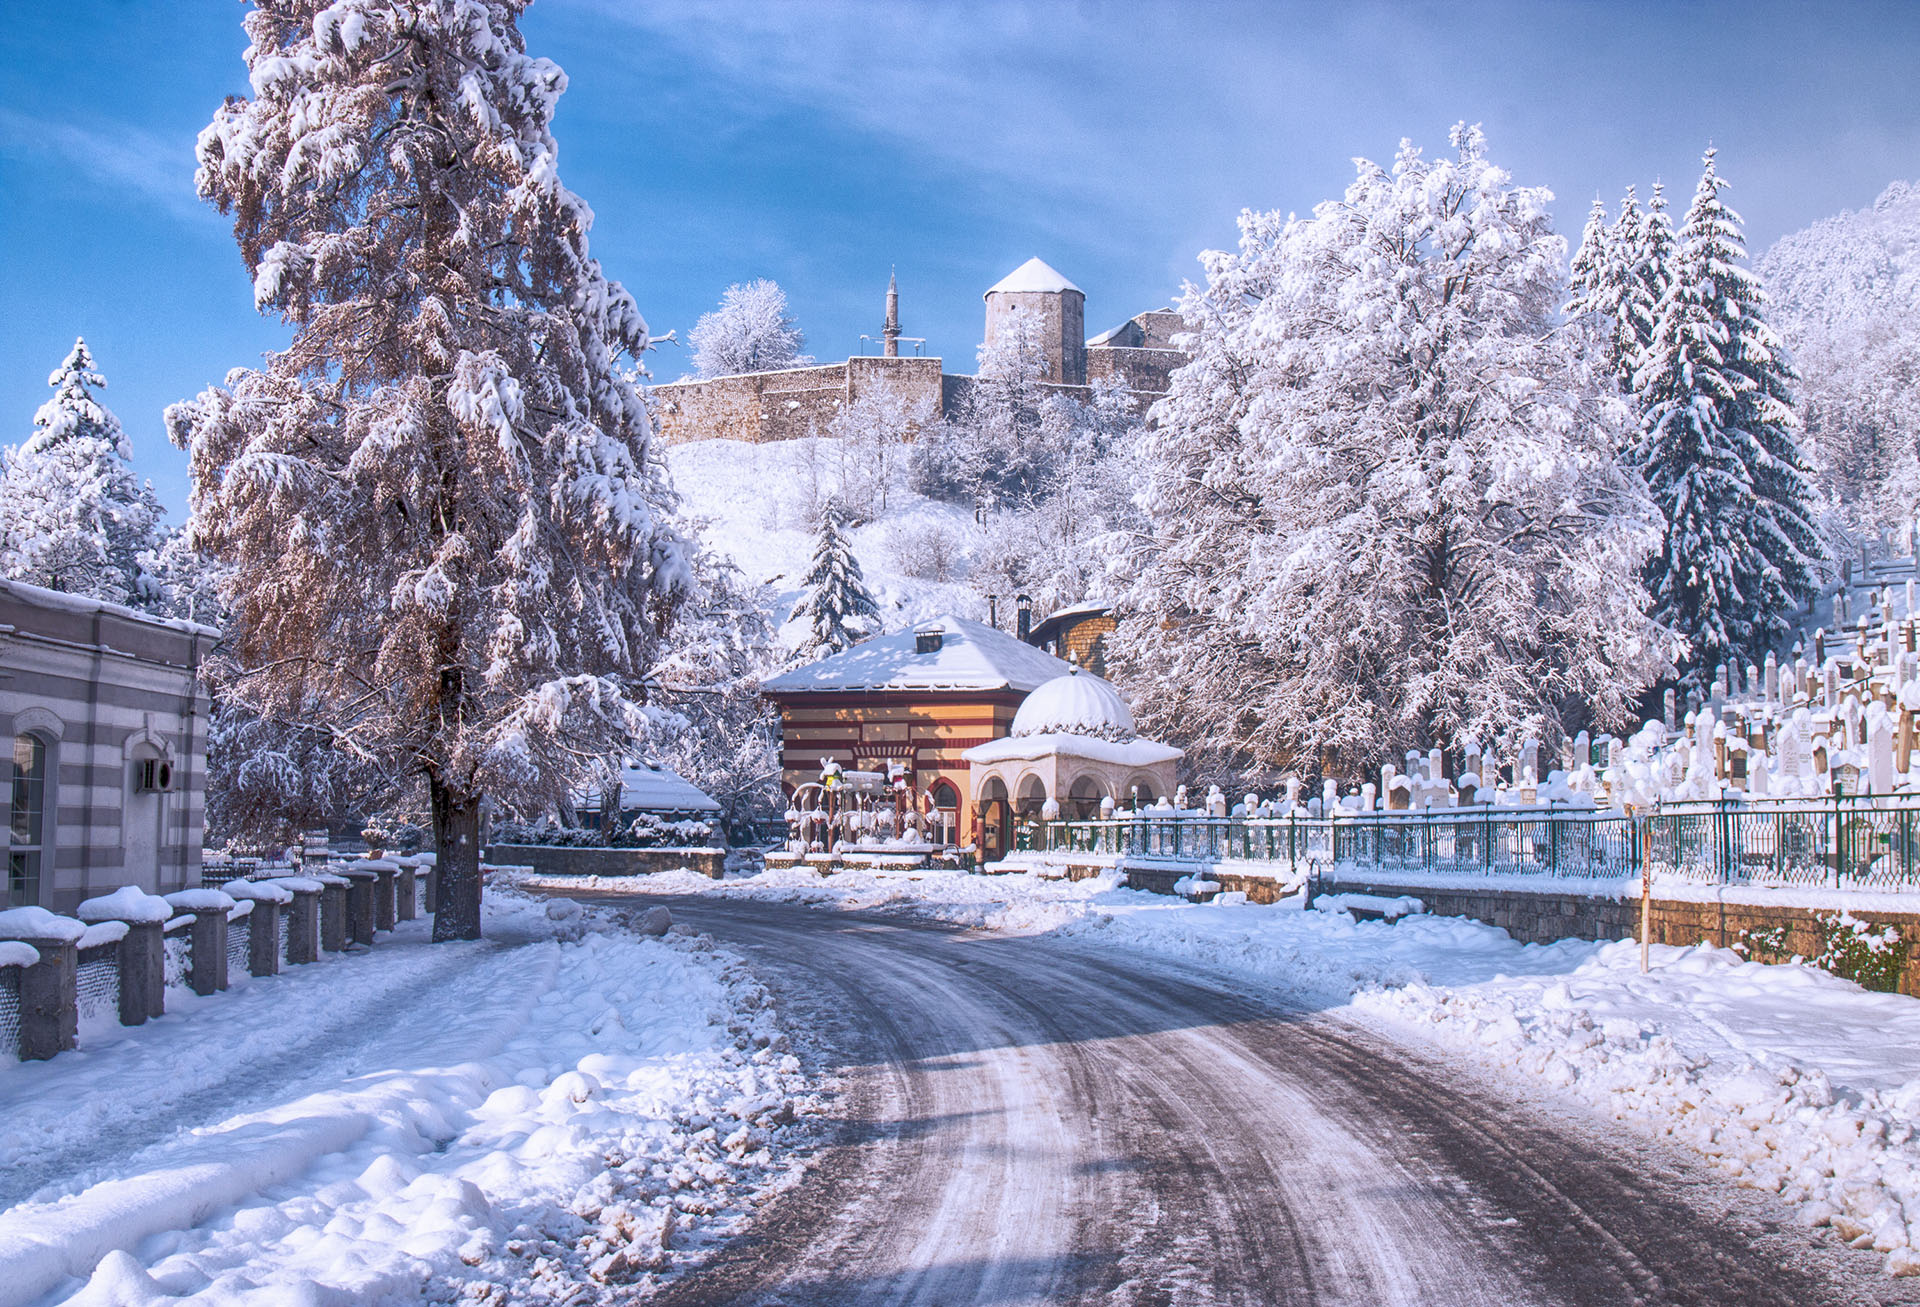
(838, 608)
(1718, 451)
(1646, 243)
(73, 516)
(1385, 511)
(1588, 287)
(450, 531)
(751, 331)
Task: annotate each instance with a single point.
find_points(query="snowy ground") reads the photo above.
(1794, 1081)
(550, 1114)
(754, 502)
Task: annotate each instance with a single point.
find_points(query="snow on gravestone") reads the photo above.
(1880, 750)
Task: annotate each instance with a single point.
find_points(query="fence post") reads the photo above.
(143, 972)
(50, 996)
(303, 923)
(207, 968)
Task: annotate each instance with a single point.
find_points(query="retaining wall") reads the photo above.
(1534, 918)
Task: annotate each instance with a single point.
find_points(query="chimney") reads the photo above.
(993, 611)
(1023, 621)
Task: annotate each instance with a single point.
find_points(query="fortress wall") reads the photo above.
(784, 405)
(1136, 369)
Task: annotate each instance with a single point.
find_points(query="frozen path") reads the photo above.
(1026, 1121)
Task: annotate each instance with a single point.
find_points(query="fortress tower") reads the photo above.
(1034, 290)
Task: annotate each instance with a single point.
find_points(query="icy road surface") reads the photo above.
(1025, 1120)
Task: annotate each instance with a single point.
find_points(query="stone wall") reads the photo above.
(787, 404)
(1146, 370)
(550, 860)
(1543, 918)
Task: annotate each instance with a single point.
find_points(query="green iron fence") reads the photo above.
(1863, 843)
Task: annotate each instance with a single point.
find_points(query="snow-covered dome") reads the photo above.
(1075, 704)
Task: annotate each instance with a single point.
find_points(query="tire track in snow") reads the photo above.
(1163, 1138)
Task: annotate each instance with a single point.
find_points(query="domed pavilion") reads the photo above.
(1072, 745)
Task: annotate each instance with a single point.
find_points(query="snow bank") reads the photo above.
(15, 954)
(561, 1108)
(128, 903)
(1788, 1078)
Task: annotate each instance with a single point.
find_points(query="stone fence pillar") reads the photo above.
(207, 937)
(263, 932)
(143, 950)
(385, 909)
(360, 895)
(407, 901)
(333, 912)
(50, 988)
(303, 921)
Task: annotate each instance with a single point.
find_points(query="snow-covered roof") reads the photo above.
(71, 603)
(1078, 703)
(1032, 277)
(971, 656)
(1123, 753)
(649, 787)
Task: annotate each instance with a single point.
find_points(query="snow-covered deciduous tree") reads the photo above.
(1384, 504)
(837, 607)
(872, 434)
(450, 531)
(727, 739)
(1846, 298)
(73, 516)
(751, 331)
(1064, 548)
(1009, 434)
(1740, 549)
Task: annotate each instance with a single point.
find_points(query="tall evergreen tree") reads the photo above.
(451, 534)
(73, 516)
(1719, 453)
(1648, 274)
(839, 609)
(1587, 284)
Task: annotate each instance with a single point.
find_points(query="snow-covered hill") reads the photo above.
(1854, 264)
(755, 504)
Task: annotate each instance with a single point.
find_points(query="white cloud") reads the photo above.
(118, 157)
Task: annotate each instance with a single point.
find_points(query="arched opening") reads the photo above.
(1032, 796)
(143, 815)
(995, 820)
(1139, 793)
(1083, 799)
(29, 799)
(946, 812)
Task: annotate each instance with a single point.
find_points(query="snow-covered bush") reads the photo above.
(928, 549)
(1873, 957)
(751, 331)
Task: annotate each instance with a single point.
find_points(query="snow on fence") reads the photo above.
(1830, 842)
(60, 977)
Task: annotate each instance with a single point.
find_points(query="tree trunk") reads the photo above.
(456, 839)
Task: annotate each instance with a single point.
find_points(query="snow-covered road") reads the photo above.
(1028, 1120)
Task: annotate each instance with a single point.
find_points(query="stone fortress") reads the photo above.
(796, 402)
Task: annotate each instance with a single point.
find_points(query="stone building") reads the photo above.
(1072, 752)
(104, 723)
(794, 402)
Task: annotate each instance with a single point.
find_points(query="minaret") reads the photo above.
(890, 334)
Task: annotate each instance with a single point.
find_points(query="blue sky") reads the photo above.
(820, 145)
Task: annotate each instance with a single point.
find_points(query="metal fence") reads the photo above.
(1866, 843)
(97, 982)
(9, 1011)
